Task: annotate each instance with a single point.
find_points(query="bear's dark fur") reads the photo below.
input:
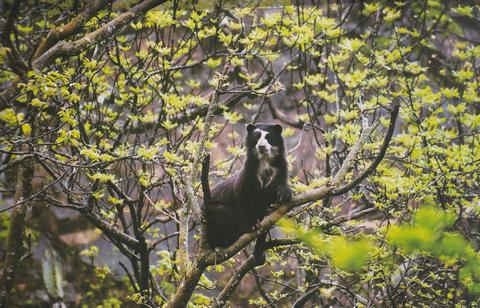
(237, 204)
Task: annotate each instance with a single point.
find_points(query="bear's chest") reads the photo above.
(265, 173)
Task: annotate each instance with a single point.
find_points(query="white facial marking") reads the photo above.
(263, 147)
(265, 151)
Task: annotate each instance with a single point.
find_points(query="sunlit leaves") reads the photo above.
(464, 74)
(9, 116)
(464, 10)
(242, 12)
(68, 136)
(200, 299)
(174, 103)
(391, 14)
(159, 18)
(352, 45)
(90, 64)
(37, 103)
(354, 79)
(169, 125)
(212, 63)
(68, 116)
(147, 153)
(236, 61)
(171, 157)
(345, 254)
(91, 252)
(330, 119)
(226, 39)
(271, 19)
(348, 254)
(428, 235)
(232, 116)
(26, 129)
(370, 8)
(206, 32)
(102, 177)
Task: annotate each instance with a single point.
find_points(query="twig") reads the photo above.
(204, 179)
(251, 262)
(347, 163)
(378, 159)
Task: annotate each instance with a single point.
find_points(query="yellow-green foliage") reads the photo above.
(345, 253)
(428, 234)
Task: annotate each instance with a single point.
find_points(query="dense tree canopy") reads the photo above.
(109, 108)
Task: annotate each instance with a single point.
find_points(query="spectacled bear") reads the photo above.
(237, 204)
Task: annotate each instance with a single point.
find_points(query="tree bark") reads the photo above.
(144, 268)
(73, 27)
(188, 284)
(16, 231)
(235, 280)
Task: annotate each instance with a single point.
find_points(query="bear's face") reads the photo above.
(265, 140)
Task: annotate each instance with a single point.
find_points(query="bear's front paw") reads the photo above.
(284, 194)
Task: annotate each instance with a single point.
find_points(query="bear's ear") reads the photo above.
(278, 128)
(250, 128)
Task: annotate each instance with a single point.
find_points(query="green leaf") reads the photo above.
(26, 129)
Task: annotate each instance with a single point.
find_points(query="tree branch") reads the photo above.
(220, 255)
(204, 179)
(235, 280)
(347, 163)
(192, 202)
(73, 27)
(249, 264)
(72, 48)
(378, 159)
(110, 231)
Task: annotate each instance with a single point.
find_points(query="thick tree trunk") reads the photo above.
(144, 267)
(16, 235)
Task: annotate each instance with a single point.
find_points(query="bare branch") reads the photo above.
(249, 264)
(72, 48)
(73, 27)
(235, 280)
(110, 231)
(378, 159)
(204, 178)
(12, 163)
(352, 155)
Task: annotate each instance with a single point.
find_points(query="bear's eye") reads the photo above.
(271, 139)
